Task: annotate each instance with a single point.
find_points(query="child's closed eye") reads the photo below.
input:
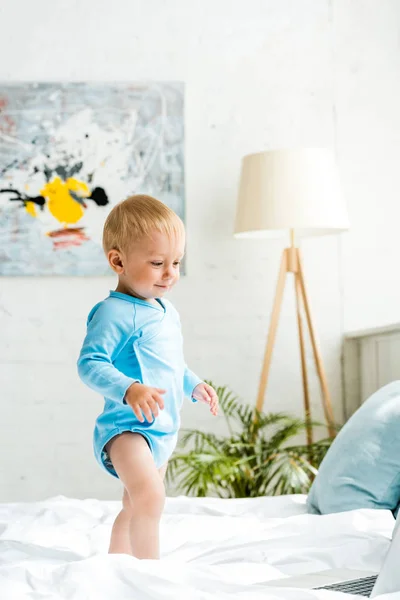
(160, 264)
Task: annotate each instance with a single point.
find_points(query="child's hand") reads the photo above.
(205, 393)
(144, 399)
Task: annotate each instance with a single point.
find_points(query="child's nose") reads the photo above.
(168, 273)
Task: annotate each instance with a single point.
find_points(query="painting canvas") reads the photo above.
(68, 153)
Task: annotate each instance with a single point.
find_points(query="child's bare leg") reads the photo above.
(120, 542)
(136, 528)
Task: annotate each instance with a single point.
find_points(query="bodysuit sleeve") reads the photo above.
(108, 331)
(190, 380)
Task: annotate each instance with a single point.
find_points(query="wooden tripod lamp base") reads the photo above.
(291, 263)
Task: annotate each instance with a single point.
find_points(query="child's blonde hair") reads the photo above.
(137, 217)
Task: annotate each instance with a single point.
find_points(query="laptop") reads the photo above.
(349, 581)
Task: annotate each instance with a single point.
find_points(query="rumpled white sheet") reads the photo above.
(211, 549)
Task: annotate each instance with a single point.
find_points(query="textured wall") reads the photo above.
(260, 74)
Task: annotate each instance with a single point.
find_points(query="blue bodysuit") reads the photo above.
(131, 340)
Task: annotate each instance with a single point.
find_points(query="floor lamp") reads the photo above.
(297, 191)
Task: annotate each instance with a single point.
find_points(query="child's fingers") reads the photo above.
(138, 413)
(211, 392)
(214, 405)
(156, 396)
(154, 407)
(212, 399)
(146, 410)
(208, 395)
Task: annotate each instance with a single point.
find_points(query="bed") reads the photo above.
(211, 549)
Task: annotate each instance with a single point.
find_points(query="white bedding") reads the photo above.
(211, 549)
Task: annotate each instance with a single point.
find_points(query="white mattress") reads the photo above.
(211, 549)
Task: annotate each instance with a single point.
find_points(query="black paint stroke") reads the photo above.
(39, 200)
(99, 196)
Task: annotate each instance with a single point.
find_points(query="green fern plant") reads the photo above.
(256, 458)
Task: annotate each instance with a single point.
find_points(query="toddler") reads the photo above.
(133, 356)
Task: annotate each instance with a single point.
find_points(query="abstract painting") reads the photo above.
(68, 153)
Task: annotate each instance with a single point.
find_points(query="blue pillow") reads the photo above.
(362, 467)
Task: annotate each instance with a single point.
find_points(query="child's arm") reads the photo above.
(107, 333)
(195, 388)
(190, 381)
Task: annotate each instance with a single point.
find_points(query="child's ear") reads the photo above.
(115, 261)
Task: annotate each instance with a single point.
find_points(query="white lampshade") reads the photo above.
(290, 189)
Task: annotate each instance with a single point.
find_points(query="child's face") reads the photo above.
(151, 267)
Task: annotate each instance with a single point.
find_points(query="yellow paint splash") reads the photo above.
(60, 202)
(31, 208)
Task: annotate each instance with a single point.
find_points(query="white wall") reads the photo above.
(259, 74)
